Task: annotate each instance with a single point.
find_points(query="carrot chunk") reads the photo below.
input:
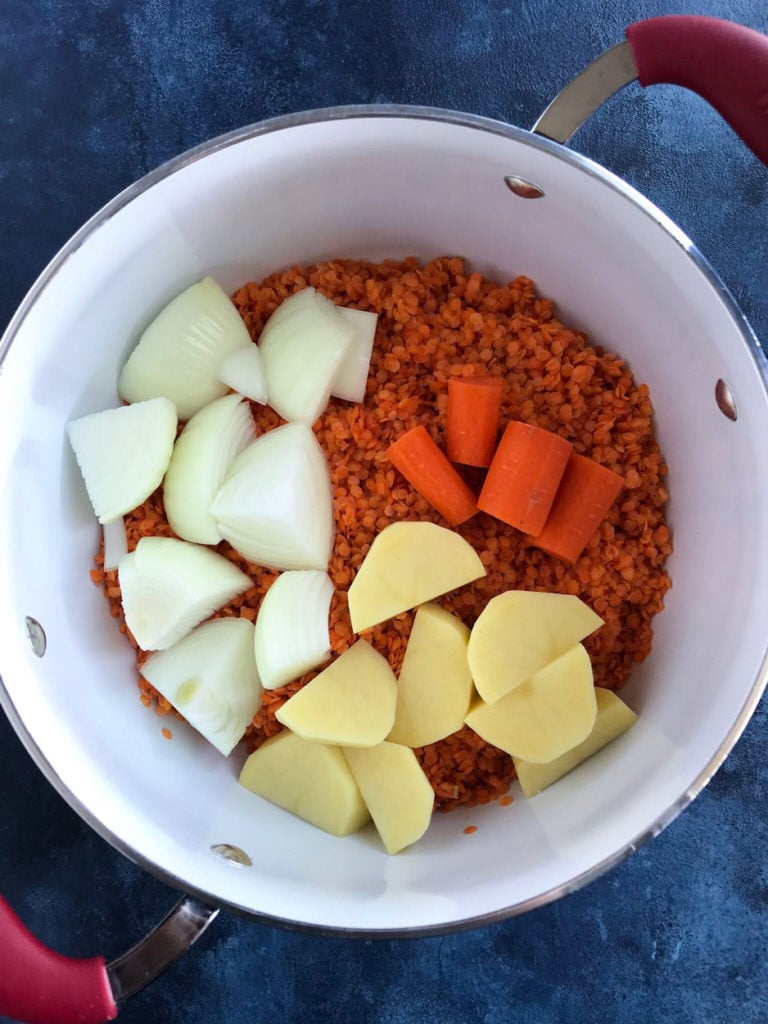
(586, 492)
(472, 425)
(524, 476)
(427, 469)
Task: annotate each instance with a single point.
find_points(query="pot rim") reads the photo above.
(557, 151)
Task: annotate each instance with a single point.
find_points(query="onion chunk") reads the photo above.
(123, 454)
(353, 373)
(291, 634)
(243, 371)
(169, 586)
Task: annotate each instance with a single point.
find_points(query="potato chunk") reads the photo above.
(408, 564)
(435, 687)
(395, 790)
(351, 703)
(310, 780)
(519, 632)
(613, 719)
(546, 715)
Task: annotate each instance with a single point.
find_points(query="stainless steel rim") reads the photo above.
(558, 152)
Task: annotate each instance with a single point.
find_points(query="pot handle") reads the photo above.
(39, 986)
(725, 63)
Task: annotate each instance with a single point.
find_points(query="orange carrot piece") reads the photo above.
(524, 476)
(586, 492)
(424, 466)
(472, 424)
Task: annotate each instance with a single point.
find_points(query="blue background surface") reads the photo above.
(95, 94)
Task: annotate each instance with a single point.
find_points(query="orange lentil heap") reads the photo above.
(438, 321)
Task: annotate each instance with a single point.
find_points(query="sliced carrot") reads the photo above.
(424, 466)
(524, 476)
(586, 492)
(472, 425)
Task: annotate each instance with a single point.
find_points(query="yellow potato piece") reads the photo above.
(519, 632)
(310, 780)
(351, 703)
(435, 687)
(546, 715)
(408, 564)
(395, 790)
(613, 719)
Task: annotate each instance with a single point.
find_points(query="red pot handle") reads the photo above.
(38, 986)
(724, 63)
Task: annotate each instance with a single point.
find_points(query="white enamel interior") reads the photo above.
(376, 187)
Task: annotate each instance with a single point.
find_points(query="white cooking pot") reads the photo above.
(374, 182)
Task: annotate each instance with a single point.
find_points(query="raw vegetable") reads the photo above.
(311, 780)
(524, 476)
(123, 454)
(351, 703)
(434, 688)
(275, 505)
(407, 564)
(243, 371)
(613, 719)
(210, 677)
(395, 790)
(545, 716)
(586, 492)
(425, 467)
(519, 632)
(472, 421)
(352, 376)
(303, 345)
(180, 354)
(169, 586)
(203, 453)
(115, 542)
(292, 626)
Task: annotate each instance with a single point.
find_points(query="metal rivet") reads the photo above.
(35, 636)
(233, 854)
(521, 187)
(725, 400)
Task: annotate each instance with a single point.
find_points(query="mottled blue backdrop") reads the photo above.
(94, 93)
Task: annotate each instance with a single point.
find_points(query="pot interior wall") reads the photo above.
(376, 187)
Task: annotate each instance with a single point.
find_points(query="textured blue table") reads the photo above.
(93, 94)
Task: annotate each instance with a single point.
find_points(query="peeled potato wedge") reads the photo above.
(311, 780)
(351, 703)
(396, 791)
(613, 719)
(545, 716)
(435, 687)
(519, 632)
(408, 564)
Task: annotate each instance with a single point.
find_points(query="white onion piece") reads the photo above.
(292, 626)
(181, 352)
(352, 376)
(210, 677)
(275, 506)
(169, 586)
(115, 542)
(203, 453)
(123, 454)
(243, 371)
(303, 345)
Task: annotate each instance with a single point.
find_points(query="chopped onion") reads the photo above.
(123, 454)
(353, 373)
(292, 626)
(206, 447)
(181, 352)
(115, 542)
(303, 345)
(169, 586)
(210, 677)
(243, 371)
(275, 506)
